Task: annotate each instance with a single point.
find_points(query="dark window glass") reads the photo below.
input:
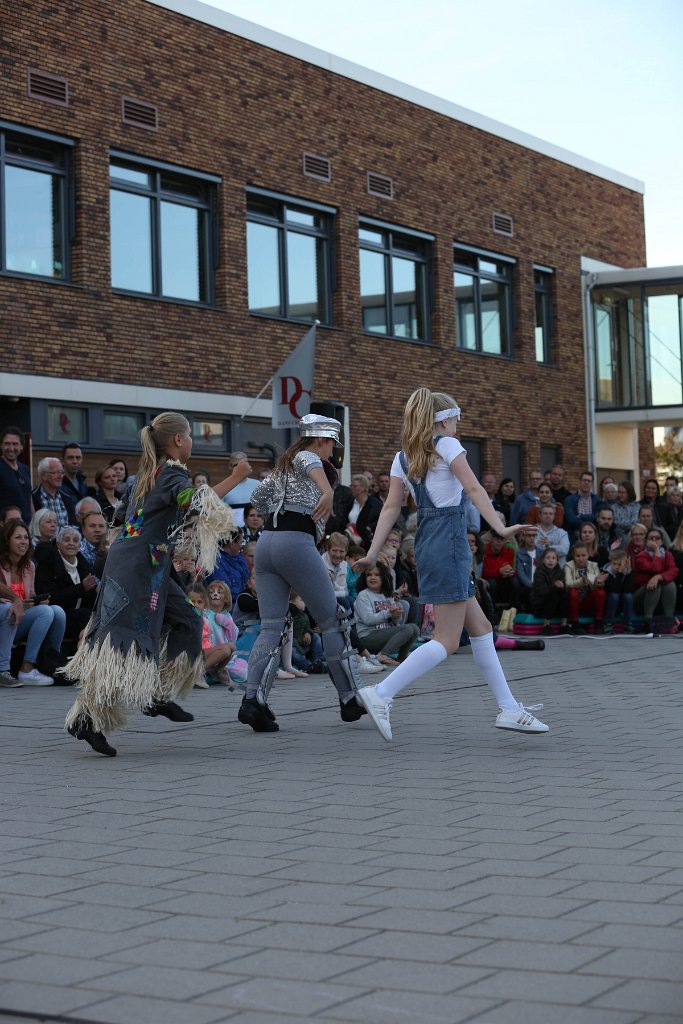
(543, 280)
(288, 259)
(161, 233)
(483, 303)
(67, 423)
(122, 426)
(393, 283)
(512, 461)
(33, 199)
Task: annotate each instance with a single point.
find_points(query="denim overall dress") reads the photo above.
(442, 553)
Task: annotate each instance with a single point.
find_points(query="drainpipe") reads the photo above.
(587, 281)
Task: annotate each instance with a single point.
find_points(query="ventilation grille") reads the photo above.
(142, 115)
(317, 167)
(379, 185)
(502, 224)
(42, 86)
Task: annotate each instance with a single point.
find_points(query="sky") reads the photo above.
(602, 78)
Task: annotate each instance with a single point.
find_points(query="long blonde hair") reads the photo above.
(155, 439)
(417, 438)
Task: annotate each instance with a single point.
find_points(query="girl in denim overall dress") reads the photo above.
(433, 464)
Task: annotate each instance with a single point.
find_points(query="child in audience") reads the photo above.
(216, 655)
(224, 631)
(548, 590)
(584, 591)
(307, 647)
(352, 555)
(378, 617)
(619, 589)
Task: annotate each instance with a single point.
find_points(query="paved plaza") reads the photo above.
(461, 873)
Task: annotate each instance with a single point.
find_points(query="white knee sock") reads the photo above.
(488, 663)
(416, 664)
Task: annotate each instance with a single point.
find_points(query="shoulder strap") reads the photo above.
(404, 462)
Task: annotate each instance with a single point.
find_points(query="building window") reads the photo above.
(393, 281)
(121, 426)
(35, 203)
(163, 230)
(512, 462)
(67, 423)
(473, 448)
(209, 434)
(289, 257)
(551, 455)
(543, 280)
(483, 301)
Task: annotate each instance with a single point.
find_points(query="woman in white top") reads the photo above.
(434, 465)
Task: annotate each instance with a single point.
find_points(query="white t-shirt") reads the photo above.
(442, 486)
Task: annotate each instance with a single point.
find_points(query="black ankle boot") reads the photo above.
(167, 709)
(351, 711)
(258, 716)
(97, 740)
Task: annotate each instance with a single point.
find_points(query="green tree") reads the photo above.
(669, 456)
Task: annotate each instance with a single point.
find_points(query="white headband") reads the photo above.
(447, 414)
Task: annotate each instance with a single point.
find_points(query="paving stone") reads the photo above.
(388, 1007)
(272, 994)
(567, 989)
(48, 999)
(644, 995)
(543, 957)
(129, 1009)
(641, 963)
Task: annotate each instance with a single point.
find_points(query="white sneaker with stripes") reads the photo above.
(521, 720)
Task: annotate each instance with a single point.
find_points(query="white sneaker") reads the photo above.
(378, 709)
(365, 665)
(34, 678)
(521, 720)
(374, 660)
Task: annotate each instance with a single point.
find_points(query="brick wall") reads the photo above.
(239, 110)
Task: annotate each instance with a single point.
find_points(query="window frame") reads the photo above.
(208, 205)
(65, 176)
(505, 279)
(544, 294)
(280, 223)
(424, 285)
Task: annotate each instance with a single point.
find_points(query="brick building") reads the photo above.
(183, 192)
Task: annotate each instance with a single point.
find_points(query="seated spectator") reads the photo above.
(646, 518)
(43, 528)
(253, 524)
(651, 496)
(676, 550)
(42, 625)
(247, 615)
(607, 534)
(603, 484)
(248, 551)
(556, 481)
(94, 546)
(216, 655)
(619, 582)
(581, 507)
(232, 566)
(406, 567)
(490, 485)
(342, 503)
(15, 477)
(545, 497)
(551, 536)
(671, 512)
(588, 536)
(527, 498)
(200, 477)
(74, 484)
(334, 560)
(11, 614)
(655, 574)
(549, 591)
(307, 652)
(394, 538)
(365, 510)
(185, 567)
(48, 494)
(63, 573)
(383, 482)
(378, 615)
(610, 493)
(477, 548)
(627, 508)
(84, 506)
(505, 498)
(499, 571)
(107, 482)
(526, 563)
(584, 592)
(9, 512)
(352, 555)
(121, 473)
(410, 605)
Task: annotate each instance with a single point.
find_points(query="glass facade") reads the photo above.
(33, 197)
(638, 332)
(161, 232)
(288, 259)
(483, 302)
(393, 282)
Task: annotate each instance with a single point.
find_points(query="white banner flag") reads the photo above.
(293, 384)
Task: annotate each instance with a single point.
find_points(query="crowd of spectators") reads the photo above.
(598, 554)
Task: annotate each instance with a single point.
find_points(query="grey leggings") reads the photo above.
(391, 639)
(284, 560)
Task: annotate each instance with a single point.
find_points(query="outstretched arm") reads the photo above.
(461, 469)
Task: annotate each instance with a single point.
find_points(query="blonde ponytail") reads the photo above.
(417, 438)
(155, 439)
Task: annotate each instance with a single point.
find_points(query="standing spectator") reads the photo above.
(490, 485)
(232, 566)
(505, 498)
(556, 479)
(671, 512)
(603, 484)
(581, 507)
(48, 494)
(527, 499)
(120, 468)
(609, 493)
(241, 493)
(73, 486)
(549, 591)
(107, 482)
(627, 508)
(583, 589)
(545, 497)
(365, 509)
(551, 536)
(655, 573)
(41, 626)
(15, 479)
(11, 614)
(383, 482)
